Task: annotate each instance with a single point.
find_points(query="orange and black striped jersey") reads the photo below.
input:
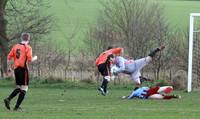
(103, 56)
(20, 53)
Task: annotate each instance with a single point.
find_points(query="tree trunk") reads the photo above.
(3, 40)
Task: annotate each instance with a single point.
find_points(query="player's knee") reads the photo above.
(168, 89)
(137, 81)
(23, 92)
(138, 84)
(24, 88)
(107, 78)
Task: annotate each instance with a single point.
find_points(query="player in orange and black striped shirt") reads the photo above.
(21, 53)
(103, 63)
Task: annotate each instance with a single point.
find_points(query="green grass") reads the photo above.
(72, 14)
(82, 13)
(178, 12)
(53, 103)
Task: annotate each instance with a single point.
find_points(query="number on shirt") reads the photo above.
(18, 53)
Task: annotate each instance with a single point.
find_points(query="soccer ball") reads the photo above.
(113, 69)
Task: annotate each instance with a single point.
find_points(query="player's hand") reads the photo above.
(9, 72)
(114, 70)
(10, 67)
(162, 47)
(34, 58)
(112, 77)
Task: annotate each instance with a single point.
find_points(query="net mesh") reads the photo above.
(196, 54)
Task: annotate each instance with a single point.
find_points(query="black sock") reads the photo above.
(153, 53)
(104, 85)
(14, 93)
(142, 79)
(20, 98)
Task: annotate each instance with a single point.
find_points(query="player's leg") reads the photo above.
(23, 90)
(7, 100)
(165, 89)
(136, 78)
(23, 87)
(131, 95)
(156, 96)
(165, 97)
(107, 77)
(153, 53)
(10, 97)
(140, 63)
(142, 79)
(155, 93)
(104, 70)
(152, 91)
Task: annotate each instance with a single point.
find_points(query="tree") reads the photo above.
(3, 39)
(138, 25)
(136, 21)
(21, 16)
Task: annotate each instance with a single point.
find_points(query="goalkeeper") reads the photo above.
(133, 67)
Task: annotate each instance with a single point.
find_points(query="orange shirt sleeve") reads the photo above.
(11, 54)
(29, 54)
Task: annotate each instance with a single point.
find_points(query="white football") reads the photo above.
(114, 69)
(34, 58)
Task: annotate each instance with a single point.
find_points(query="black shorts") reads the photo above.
(21, 76)
(104, 69)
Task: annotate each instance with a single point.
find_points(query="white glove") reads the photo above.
(114, 70)
(34, 58)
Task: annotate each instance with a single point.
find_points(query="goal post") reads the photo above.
(191, 44)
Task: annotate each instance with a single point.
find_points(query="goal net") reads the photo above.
(194, 53)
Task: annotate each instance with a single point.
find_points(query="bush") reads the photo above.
(163, 83)
(88, 81)
(179, 80)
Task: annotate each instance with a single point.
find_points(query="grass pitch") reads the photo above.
(51, 103)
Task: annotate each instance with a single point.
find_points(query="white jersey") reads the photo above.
(131, 67)
(124, 65)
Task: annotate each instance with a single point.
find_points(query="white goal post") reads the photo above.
(190, 55)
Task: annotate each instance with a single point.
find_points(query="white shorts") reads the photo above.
(138, 65)
(23, 87)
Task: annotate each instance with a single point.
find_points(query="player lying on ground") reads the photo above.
(133, 67)
(21, 53)
(103, 65)
(156, 92)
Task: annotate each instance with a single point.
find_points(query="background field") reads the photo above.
(55, 103)
(83, 13)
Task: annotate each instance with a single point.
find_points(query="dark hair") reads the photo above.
(110, 56)
(136, 88)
